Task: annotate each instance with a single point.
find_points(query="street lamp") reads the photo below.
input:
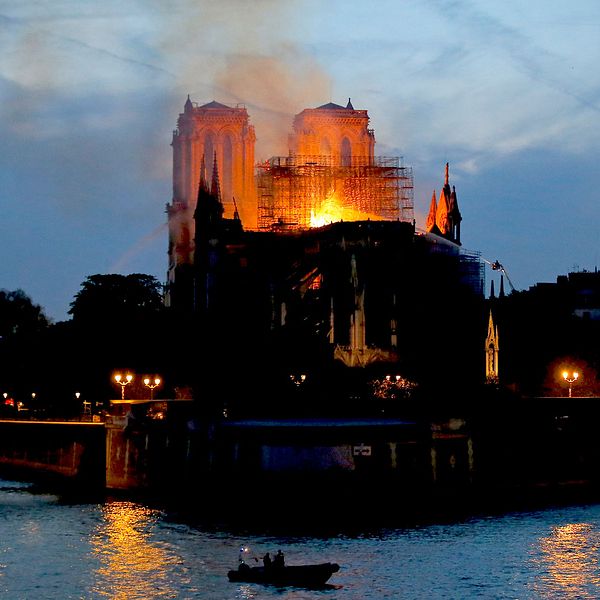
(152, 384)
(570, 379)
(298, 379)
(123, 382)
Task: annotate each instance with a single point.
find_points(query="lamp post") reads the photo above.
(123, 381)
(570, 379)
(152, 384)
(8, 401)
(298, 379)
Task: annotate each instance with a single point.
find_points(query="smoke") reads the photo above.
(274, 89)
(89, 96)
(246, 52)
(123, 263)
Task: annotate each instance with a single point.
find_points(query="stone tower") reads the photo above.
(208, 133)
(334, 131)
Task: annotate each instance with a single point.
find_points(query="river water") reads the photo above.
(52, 547)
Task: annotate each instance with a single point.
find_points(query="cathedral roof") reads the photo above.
(214, 104)
(331, 106)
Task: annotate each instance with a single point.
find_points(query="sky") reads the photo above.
(507, 93)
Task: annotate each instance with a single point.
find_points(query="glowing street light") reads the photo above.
(298, 379)
(570, 379)
(149, 383)
(8, 401)
(123, 382)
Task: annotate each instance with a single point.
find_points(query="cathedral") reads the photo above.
(312, 258)
(331, 173)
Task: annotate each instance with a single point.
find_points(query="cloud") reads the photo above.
(90, 93)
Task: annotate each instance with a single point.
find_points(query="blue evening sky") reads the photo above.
(507, 92)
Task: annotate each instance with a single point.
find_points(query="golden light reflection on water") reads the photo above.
(568, 558)
(131, 565)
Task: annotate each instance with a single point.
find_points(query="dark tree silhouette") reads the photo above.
(22, 326)
(117, 297)
(19, 315)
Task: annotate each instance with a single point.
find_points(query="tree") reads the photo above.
(120, 298)
(118, 323)
(22, 325)
(19, 315)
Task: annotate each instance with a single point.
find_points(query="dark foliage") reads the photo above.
(122, 298)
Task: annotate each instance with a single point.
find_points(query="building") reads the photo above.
(492, 350)
(444, 215)
(333, 273)
(332, 174)
(213, 134)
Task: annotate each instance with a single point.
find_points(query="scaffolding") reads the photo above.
(472, 270)
(300, 191)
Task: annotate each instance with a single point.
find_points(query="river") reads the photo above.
(56, 547)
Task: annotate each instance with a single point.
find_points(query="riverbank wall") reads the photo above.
(72, 453)
(541, 447)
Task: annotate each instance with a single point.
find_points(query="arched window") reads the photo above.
(346, 154)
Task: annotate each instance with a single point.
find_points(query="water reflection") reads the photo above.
(131, 564)
(569, 561)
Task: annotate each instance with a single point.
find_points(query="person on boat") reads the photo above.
(267, 561)
(279, 560)
(242, 566)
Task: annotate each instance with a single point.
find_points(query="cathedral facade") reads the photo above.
(315, 260)
(218, 136)
(331, 173)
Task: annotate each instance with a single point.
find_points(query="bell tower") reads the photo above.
(213, 134)
(341, 134)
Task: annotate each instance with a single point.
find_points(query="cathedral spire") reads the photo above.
(203, 184)
(455, 216)
(430, 223)
(209, 208)
(447, 215)
(441, 216)
(215, 188)
(491, 352)
(349, 105)
(188, 105)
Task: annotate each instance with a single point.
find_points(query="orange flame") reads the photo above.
(332, 211)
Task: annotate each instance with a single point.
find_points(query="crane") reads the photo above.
(496, 266)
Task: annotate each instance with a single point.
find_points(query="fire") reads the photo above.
(332, 211)
(325, 216)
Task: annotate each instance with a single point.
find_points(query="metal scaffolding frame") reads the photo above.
(292, 189)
